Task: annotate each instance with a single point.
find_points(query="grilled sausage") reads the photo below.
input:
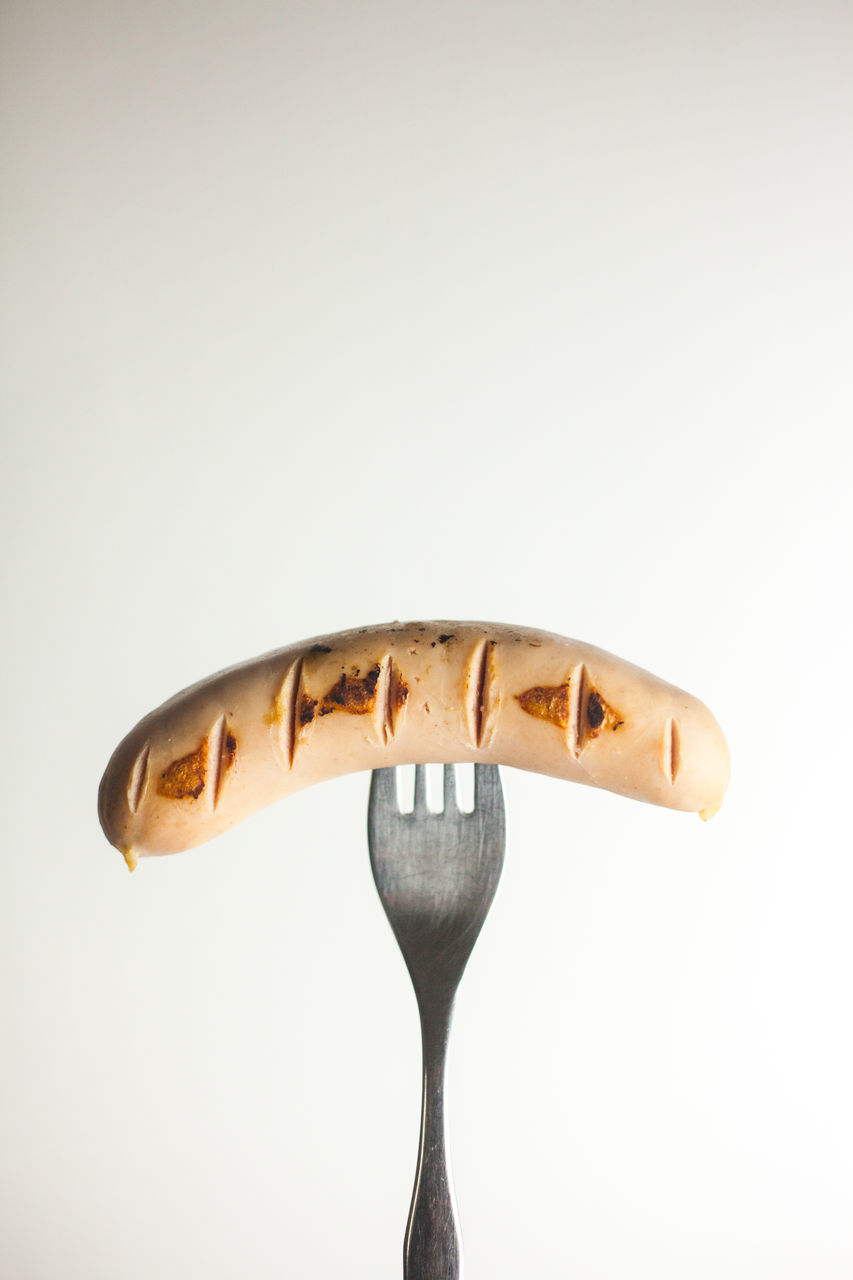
(405, 693)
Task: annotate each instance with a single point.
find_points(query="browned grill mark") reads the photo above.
(355, 694)
(184, 778)
(598, 716)
(222, 746)
(671, 750)
(480, 693)
(547, 702)
(392, 694)
(138, 779)
(595, 712)
(304, 710)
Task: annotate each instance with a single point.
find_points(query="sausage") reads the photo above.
(405, 693)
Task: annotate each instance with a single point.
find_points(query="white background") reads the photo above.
(318, 315)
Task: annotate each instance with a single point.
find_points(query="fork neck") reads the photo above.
(436, 1018)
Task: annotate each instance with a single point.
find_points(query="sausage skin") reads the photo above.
(405, 693)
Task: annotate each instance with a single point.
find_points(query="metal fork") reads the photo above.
(436, 874)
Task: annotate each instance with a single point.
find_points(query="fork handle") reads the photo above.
(433, 1248)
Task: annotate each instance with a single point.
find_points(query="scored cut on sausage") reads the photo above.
(405, 693)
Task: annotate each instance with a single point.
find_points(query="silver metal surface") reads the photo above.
(436, 874)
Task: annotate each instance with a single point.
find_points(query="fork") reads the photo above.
(436, 874)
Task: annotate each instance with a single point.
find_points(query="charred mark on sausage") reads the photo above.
(599, 715)
(547, 702)
(306, 709)
(352, 693)
(184, 779)
(595, 710)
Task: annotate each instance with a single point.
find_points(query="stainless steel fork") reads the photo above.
(436, 874)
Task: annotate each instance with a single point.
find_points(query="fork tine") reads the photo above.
(450, 804)
(488, 793)
(383, 791)
(420, 789)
